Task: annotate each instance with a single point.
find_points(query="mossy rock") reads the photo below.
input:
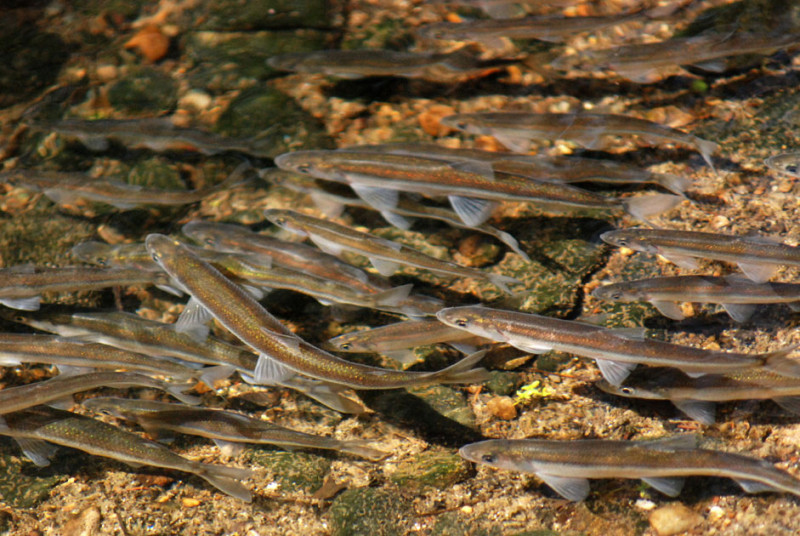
(235, 15)
(436, 469)
(370, 512)
(277, 123)
(294, 471)
(225, 60)
(21, 487)
(143, 90)
(503, 383)
(447, 402)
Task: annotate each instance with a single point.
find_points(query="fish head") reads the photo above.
(107, 405)
(788, 163)
(435, 31)
(285, 219)
(319, 164)
(94, 252)
(629, 238)
(292, 61)
(347, 343)
(470, 318)
(163, 249)
(645, 391)
(615, 292)
(462, 122)
(209, 234)
(497, 453)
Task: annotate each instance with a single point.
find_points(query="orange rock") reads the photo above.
(150, 42)
(430, 119)
(502, 407)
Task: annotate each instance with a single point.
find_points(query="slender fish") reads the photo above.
(132, 332)
(237, 311)
(60, 387)
(472, 187)
(157, 134)
(362, 63)
(227, 428)
(23, 285)
(758, 257)
(696, 396)
(663, 463)
(32, 428)
(516, 130)
(616, 353)
(737, 295)
(386, 256)
(787, 163)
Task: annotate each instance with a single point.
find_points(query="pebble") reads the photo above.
(673, 519)
(502, 407)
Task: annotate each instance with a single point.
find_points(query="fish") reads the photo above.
(566, 169)
(696, 397)
(137, 334)
(386, 256)
(68, 354)
(472, 187)
(394, 340)
(650, 62)
(401, 216)
(158, 134)
(616, 352)
(59, 388)
(67, 188)
(737, 295)
(277, 347)
(662, 463)
(757, 256)
(786, 163)
(300, 257)
(506, 9)
(23, 285)
(227, 428)
(35, 428)
(516, 130)
(354, 64)
(491, 33)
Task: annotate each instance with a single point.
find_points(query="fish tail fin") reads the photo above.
(512, 243)
(227, 479)
(707, 148)
(462, 371)
(363, 450)
(779, 363)
(502, 281)
(645, 206)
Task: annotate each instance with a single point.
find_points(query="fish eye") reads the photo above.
(345, 346)
(102, 261)
(615, 295)
(488, 458)
(209, 241)
(462, 125)
(461, 322)
(304, 168)
(622, 242)
(791, 168)
(626, 390)
(156, 256)
(280, 221)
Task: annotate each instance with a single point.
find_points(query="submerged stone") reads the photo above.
(437, 469)
(143, 89)
(21, 487)
(233, 15)
(370, 512)
(275, 122)
(225, 60)
(293, 471)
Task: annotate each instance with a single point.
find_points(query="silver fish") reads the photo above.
(664, 463)
(516, 130)
(615, 352)
(737, 295)
(35, 428)
(696, 397)
(758, 257)
(787, 163)
(227, 428)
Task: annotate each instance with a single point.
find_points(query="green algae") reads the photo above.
(293, 471)
(437, 469)
(369, 512)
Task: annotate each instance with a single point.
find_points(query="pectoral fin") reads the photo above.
(572, 489)
(700, 410)
(670, 486)
(613, 371)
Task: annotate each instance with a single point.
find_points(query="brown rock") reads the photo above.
(502, 407)
(673, 519)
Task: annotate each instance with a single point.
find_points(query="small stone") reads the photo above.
(84, 524)
(715, 513)
(718, 222)
(502, 407)
(673, 519)
(429, 120)
(107, 73)
(150, 42)
(195, 100)
(188, 502)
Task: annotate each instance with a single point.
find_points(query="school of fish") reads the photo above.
(222, 271)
